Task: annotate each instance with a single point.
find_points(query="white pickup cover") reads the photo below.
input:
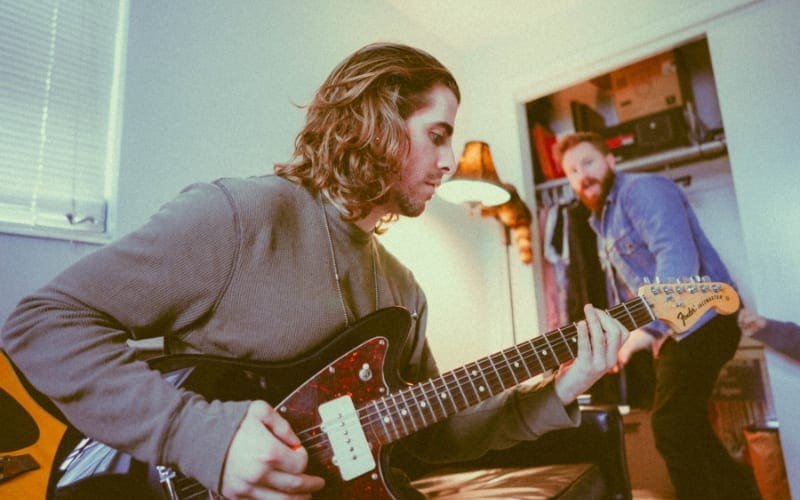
(351, 451)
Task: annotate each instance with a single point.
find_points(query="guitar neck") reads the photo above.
(404, 412)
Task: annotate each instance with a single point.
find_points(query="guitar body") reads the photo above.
(361, 363)
(48, 432)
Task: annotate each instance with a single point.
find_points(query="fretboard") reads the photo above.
(412, 409)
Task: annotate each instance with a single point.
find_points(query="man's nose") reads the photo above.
(579, 174)
(447, 162)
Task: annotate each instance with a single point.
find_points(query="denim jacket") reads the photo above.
(647, 229)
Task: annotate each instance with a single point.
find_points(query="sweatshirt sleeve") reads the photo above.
(69, 337)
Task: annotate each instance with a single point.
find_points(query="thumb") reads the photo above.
(272, 420)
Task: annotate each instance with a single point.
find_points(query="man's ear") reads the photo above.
(611, 160)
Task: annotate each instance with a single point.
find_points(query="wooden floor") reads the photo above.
(649, 495)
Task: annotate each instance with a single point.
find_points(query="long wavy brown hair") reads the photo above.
(355, 141)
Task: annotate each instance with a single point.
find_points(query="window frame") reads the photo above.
(73, 228)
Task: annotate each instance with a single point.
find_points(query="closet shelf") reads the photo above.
(657, 161)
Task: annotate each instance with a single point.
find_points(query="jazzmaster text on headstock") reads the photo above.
(685, 316)
(683, 303)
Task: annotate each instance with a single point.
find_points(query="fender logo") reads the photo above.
(685, 316)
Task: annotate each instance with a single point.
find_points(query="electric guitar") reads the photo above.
(348, 404)
(25, 468)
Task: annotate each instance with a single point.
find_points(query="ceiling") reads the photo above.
(468, 24)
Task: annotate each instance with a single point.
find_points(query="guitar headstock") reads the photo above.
(682, 303)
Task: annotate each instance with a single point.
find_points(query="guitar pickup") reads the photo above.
(351, 451)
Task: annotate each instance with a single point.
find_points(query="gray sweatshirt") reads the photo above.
(238, 268)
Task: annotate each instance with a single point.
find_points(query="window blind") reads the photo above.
(60, 73)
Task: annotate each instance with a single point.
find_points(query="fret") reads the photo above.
(448, 395)
(438, 399)
(408, 410)
(421, 405)
(460, 389)
(399, 414)
(566, 341)
(444, 395)
(476, 372)
(481, 388)
(510, 368)
(536, 353)
(389, 419)
(651, 316)
(524, 363)
(633, 321)
(367, 422)
(499, 378)
(549, 349)
(403, 412)
(382, 420)
(435, 415)
(474, 389)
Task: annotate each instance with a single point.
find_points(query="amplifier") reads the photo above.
(648, 134)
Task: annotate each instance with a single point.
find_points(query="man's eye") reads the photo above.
(437, 138)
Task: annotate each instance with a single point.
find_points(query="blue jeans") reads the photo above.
(698, 463)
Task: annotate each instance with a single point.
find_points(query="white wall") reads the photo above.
(754, 47)
(755, 56)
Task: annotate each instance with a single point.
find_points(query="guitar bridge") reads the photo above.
(351, 451)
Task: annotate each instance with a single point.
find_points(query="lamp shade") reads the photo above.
(475, 180)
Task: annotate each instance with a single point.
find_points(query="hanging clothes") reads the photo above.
(585, 277)
(556, 252)
(548, 277)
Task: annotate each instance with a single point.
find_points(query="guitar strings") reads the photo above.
(317, 442)
(503, 371)
(488, 366)
(559, 347)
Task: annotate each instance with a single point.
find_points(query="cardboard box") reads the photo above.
(646, 87)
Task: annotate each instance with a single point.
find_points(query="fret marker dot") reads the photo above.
(481, 389)
(544, 352)
(516, 364)
(474, 373)
(386, 419)
(443, 395)
(422, 404)
(404, 412)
